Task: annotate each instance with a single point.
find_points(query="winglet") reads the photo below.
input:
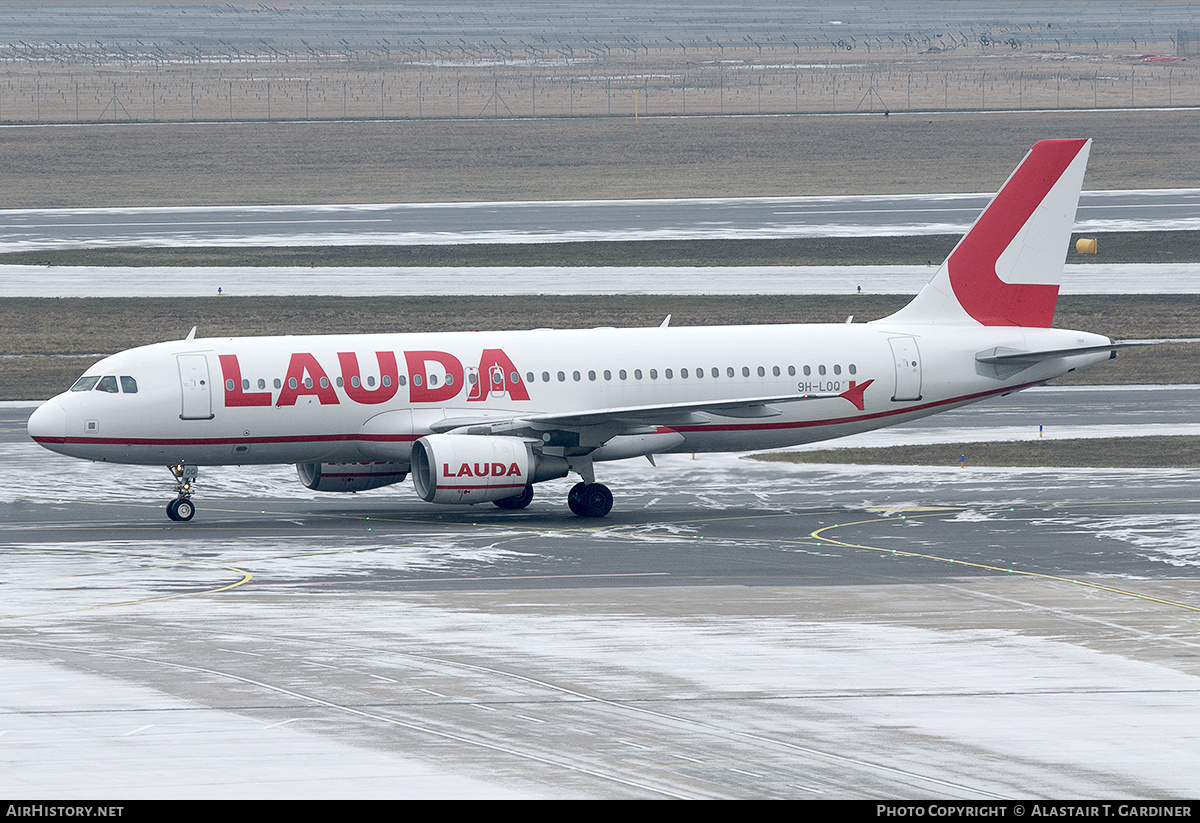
(1007, 269)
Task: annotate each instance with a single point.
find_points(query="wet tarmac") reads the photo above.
(732, 629)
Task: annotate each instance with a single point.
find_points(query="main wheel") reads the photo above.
(597, 500)
(575, 499)
(517, 501)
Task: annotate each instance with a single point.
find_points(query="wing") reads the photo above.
(593, 427)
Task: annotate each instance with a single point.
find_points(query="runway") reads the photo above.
(344, 281)
(733, 629)
(437, 25)
(562, 221)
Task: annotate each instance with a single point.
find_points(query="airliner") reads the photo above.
(485, 416)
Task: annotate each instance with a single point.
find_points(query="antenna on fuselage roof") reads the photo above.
(666, 322)
(191, 335)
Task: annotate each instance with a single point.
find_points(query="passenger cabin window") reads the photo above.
(85, 384)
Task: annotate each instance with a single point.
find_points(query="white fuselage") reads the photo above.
(323, 399)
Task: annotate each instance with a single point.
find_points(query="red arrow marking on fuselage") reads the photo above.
(855, 393)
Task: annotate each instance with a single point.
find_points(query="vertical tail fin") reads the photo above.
(1007, 269)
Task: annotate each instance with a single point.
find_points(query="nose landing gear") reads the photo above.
(182, 508)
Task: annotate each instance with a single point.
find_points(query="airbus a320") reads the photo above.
(485, 416)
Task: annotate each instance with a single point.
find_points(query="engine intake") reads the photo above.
(465, 468)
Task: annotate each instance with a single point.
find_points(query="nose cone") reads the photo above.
(48, 425)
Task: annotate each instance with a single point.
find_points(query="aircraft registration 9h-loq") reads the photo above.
(483, 416)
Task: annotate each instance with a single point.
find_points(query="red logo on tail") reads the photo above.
(972, 264)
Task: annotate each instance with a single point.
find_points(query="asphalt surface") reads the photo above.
(559, 221)
(733, 629)
(241, 30)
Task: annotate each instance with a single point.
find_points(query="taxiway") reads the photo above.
(562, 221)
(733, 629)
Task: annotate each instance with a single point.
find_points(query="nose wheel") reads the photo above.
(182, 509)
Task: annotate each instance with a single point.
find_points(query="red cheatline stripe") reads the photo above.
(232, 441)
(803, 424)
(400, 438)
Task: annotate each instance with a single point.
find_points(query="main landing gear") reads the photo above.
(590, 499)
(585, 499)
(182, 508)
(517, 501)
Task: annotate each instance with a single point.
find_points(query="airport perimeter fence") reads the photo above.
(658, 81)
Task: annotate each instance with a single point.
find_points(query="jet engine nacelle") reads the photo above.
(350, 477)
(467, 468)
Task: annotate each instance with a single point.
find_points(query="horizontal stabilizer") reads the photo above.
(1001, 355)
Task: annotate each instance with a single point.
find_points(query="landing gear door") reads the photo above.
(908, 368)
(195, 387)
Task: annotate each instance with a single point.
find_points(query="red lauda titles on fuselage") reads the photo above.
(307, 377)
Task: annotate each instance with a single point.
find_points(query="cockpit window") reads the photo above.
(128, 384)
(85, 383)
(108, 383)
